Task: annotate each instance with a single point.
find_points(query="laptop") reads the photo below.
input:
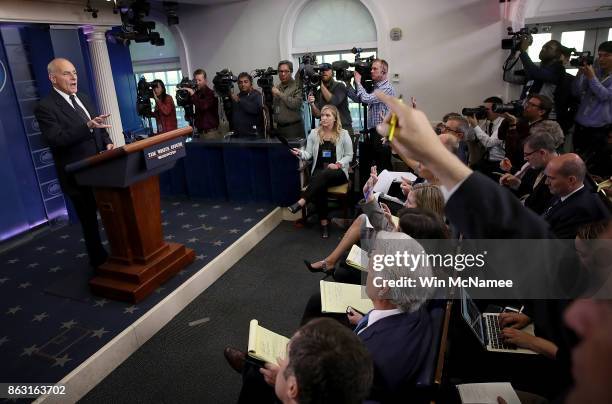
(486, 327)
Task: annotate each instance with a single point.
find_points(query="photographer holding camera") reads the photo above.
(535, 112)
(593, 85)
(548, 79)
(331, 92)
(206, 106)
(165, 111)
(247, 108)
(488, 135)
(287, 103)
(373, 153)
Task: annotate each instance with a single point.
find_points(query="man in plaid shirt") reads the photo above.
(372, 151)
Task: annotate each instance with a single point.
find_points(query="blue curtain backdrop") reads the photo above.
(31, 194)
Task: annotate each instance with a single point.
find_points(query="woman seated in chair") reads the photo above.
(331, 150)
(424, 196)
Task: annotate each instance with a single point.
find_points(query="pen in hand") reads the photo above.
(393, 123)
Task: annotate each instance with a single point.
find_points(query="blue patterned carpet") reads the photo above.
(44, 336)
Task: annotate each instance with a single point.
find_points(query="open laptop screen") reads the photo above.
(472, 316)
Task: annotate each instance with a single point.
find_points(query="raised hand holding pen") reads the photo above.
(415, 139)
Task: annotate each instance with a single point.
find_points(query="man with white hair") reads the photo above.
(397, 332)
(74, 131)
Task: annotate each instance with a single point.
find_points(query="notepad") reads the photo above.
(266, 345)
(358, 258)
(385, 178)
(487, 393)
(336, 297)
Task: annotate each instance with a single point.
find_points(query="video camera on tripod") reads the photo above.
(309, 74)
(362, 66)
(223, 84)
(265, 81)
(144, 93)
(183, 99)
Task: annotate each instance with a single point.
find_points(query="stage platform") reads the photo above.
(53, 330)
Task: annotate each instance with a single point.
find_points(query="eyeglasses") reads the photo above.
(447, 129)
(530, 153)
(284, 71)
(531, 104)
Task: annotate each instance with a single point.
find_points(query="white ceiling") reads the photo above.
(207, 2)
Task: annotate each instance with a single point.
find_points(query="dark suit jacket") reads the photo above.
(539, 197)
(68, 136)
(480, 208)
(398, 345)
(580, 208)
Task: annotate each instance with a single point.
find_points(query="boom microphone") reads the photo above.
(340, 65)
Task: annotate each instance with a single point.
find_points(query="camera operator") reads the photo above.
(331, 92)
(593, 86)
(548, 79)
(287, 103)
(165, 111)
(206, 106)
(247, 108)
(373, 152)
(488, 135)
(535, 112)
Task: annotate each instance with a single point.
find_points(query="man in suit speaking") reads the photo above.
(72, 129)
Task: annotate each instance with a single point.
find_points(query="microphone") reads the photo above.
(340, 65)
(284, 141)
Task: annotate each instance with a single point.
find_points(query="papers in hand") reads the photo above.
(385, 178)
(266, 345)
(336, 297)
(487, 393)
(358, 258)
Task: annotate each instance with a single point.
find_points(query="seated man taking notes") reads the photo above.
(324, 363)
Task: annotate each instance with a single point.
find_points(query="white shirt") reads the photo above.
(67, 98)
(563, 198)
(376, 315)
(493, 143)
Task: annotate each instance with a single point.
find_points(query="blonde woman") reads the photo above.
(426, 196)
(331, 150)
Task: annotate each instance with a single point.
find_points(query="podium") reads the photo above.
(126, 186)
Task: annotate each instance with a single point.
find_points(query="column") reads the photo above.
(103, 77)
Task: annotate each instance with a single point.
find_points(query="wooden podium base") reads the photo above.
(134, 282)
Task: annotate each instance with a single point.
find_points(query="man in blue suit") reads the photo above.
(397, 332)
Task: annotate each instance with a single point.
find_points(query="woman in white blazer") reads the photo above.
(331, 150)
